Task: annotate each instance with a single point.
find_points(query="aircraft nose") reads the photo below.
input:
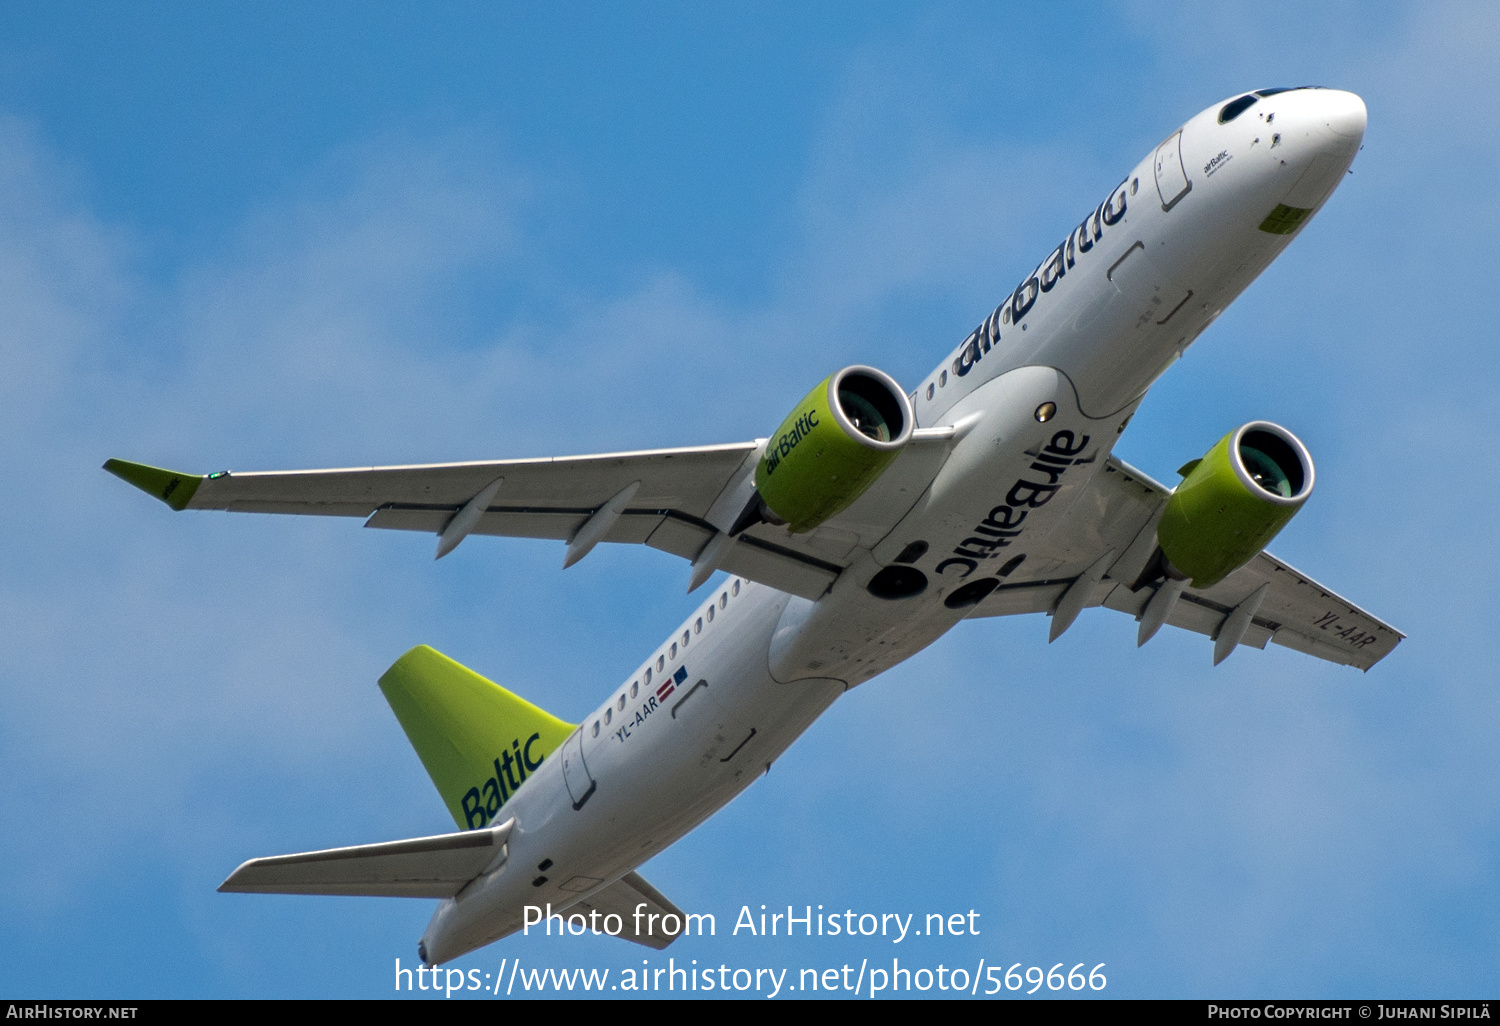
(1342, 112)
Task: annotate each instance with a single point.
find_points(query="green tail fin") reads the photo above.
(477, 740)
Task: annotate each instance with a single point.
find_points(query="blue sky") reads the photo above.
(269, 236)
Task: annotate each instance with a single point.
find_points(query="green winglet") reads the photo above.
(175, 489)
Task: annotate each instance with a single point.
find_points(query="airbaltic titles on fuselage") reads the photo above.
(1048, 273)
(1004, 524)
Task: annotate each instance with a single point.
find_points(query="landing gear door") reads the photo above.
(1171, 178)
(581, 785)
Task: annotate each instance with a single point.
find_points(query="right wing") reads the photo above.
(674, 500)
(675, 491)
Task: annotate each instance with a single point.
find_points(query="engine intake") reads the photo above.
(1233, 501)
(833, 445)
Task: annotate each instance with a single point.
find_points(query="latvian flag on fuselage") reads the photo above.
(670, 684)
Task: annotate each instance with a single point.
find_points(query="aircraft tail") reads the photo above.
(478, 741)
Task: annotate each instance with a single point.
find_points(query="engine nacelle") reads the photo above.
(833, 446)
(1234, 501)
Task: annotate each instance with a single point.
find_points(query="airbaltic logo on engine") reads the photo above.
(1003, 525)
(787, 442)
(510, 772)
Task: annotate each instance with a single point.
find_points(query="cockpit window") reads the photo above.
(1263, 93)
(1234, 108)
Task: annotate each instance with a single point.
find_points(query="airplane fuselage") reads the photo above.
(1038, 394)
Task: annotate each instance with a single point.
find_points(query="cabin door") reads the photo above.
(1171, 178)
(581, 785)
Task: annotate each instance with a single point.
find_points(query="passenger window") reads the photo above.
(608, 715)
(622, 701)
(931, 388)
(674, 650)
(723, 600)
(661, 662)
(943, 378)
(698, 625)
(635, 688)
(736, 588)
(596, 728)
(648, 677)
(684, 639)
(710, 614)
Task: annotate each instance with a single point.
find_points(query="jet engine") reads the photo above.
(1233, 501)
(832, 446)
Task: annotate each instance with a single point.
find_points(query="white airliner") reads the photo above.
(862, 530)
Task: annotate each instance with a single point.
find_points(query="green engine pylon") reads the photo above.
(1234, 501)
(833, 445)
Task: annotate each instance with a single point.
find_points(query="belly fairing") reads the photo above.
(1006, 485)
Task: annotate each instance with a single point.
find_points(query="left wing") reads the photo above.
(1118, 512)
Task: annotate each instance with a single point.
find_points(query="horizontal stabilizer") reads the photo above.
(621, 899)
(423, 867)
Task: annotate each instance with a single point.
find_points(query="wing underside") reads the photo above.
(674, 500)
(675, 491)
(1119, 512)
(677, 500)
